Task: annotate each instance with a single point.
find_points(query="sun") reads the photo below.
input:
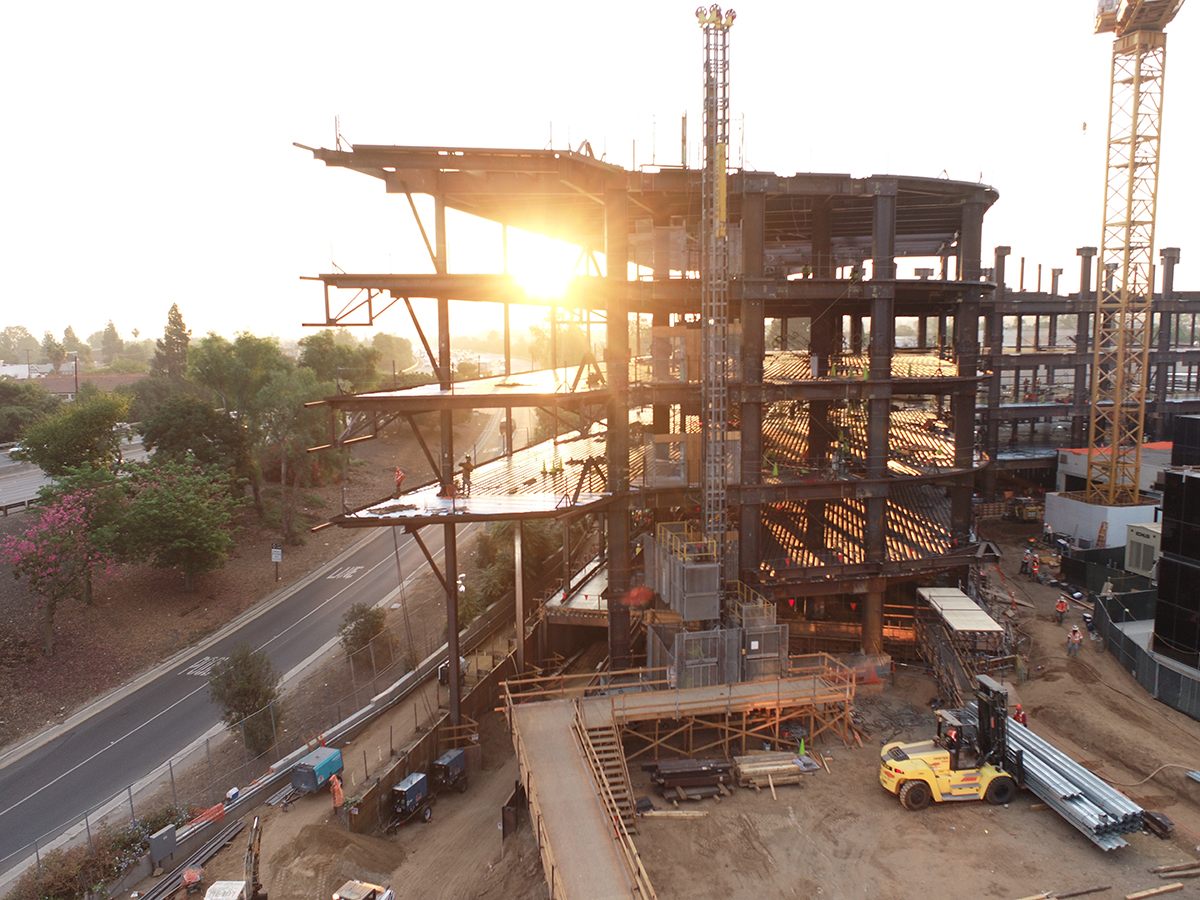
(543, 267)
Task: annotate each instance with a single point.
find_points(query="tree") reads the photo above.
(146, 394)
(236, 373)
(80, 434)
(22, 403)
(247, 687)
(179, 515)
(76, 346)
(361, 623)
(395, 353)
(335, 362)
(291, 428)
(171, 353)
(105, 494)
(182, 424)
(14, 341)
(111, 343)
(55, 352)
(58, 556)
(140, 352)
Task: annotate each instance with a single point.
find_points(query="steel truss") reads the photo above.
(1120, 361)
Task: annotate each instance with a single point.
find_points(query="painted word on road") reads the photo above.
(203, 667)
(345, 572)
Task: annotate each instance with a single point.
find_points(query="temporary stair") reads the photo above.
(606, 760)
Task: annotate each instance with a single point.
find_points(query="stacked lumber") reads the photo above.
(690, 779)
(771, 769)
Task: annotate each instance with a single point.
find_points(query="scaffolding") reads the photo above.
(683, 568)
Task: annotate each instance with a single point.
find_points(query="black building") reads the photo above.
(1177, 616)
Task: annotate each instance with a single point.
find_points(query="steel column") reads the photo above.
(753, 339)
(616, 254)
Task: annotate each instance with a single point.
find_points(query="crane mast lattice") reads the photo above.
(1125, 289)
(714, 276)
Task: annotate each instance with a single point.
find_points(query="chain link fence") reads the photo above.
(216, 768)
(1118, 620)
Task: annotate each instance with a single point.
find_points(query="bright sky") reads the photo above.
(147, 157)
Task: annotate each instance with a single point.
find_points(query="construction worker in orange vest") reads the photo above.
(1074, 639)
(1061, 607)
(1019, 715)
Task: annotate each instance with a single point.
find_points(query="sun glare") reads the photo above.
(544, 268)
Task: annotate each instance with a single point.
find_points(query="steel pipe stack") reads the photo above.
(1098, 810)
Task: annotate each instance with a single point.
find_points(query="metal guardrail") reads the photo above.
(20, 504)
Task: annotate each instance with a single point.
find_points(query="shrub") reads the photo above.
(77, 871)
(360, 624)
(247, 687)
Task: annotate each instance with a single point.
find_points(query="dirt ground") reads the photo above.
(838, 834)
(308, 852)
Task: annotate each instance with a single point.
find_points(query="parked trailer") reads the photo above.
(311, 773)
(450, 771)
(411, 799)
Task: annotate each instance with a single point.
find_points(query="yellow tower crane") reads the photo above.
(1125, 275)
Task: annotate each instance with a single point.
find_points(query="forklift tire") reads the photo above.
(1001, 790)
(915, 795)
(426, 814)
(462, 785)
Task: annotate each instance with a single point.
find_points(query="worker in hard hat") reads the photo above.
(1074, 639)
(467, 468)
(1061, 607)
(1019, 715)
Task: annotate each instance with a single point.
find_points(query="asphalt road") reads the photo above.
(50, 787)
(20, 481)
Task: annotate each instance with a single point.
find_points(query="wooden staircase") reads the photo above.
(602, 749)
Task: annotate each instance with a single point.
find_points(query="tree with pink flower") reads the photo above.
(60, 555)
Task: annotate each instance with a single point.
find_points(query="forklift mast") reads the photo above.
(992, 701)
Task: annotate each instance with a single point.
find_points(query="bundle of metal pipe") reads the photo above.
(1097, 809)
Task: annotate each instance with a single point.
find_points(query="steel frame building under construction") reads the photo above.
(850, 464)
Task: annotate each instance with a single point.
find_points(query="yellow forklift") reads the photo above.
(965, 761)
(1025, 509)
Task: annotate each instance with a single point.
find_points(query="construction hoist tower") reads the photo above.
(1125, 289)
(714, 277)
